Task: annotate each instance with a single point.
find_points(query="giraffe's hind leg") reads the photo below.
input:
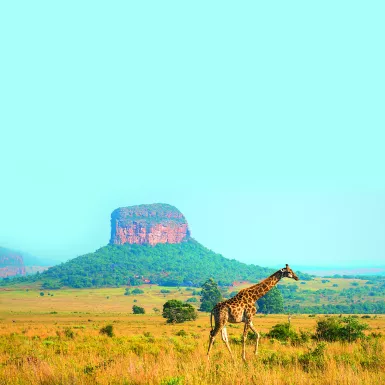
(257, 337)
(225, 339)
(213, 334)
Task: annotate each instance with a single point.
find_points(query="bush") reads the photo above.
(172, 381)
(41, 293)
(108, 330)
(137, 291)
(127, 291)
(68, 332)
(282, 332)
(346, 329)
(138, 310)
(177, 312)
(314, 359)
(165, 291)
(192, 299)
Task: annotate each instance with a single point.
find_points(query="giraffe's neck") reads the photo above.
(261, 288)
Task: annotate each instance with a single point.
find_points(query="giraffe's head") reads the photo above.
(288, 273)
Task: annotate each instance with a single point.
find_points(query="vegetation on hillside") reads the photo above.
(187, 263)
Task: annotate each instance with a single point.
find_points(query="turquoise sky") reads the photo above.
(263, 122)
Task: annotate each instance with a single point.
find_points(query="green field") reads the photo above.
(319, 295)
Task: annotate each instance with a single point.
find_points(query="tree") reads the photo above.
(271, 302)
(138, 310)
(177, 312)
(210, 295)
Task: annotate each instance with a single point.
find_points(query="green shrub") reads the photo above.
(165, 291)
(313, 359)
(107, 330)
(372, 354)
(138, 310)
(283, 332)
(192, 299)
(137, 291)
(68, 332)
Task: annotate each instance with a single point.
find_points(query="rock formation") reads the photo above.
(11, 263)
(148, 224)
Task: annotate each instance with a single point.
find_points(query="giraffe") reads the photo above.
(241, 308)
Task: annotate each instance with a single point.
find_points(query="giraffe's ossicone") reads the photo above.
(241, 308)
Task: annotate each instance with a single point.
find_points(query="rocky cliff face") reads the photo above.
(11, 263)
(148, 224)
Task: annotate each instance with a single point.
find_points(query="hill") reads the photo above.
(149, 243)
(187, 263)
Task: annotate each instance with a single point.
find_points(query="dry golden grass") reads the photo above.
(37, 347)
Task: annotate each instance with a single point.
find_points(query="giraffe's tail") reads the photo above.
(211, 320)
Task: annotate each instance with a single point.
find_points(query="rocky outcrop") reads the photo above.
(148, 224)
(11, 263)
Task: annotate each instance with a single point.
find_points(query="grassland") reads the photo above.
(56, 340)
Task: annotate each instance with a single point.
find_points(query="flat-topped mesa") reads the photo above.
(148, 224)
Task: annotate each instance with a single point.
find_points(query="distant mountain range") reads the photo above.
(18, 263)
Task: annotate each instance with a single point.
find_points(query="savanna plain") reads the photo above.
(55, 338)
